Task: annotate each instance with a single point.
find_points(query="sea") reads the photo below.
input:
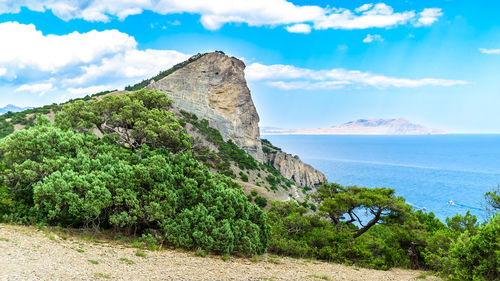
(443, 174)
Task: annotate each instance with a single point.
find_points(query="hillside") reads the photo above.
(213, 103)
(398, 126)
(59, 255)
(155, 167)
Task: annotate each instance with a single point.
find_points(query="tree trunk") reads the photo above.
(371, 223)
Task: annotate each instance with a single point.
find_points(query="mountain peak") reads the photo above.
(12, 108)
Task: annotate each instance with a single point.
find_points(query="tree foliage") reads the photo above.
(125, 162)
(343, 205)
(476, 256)
(296, 233)
(138, 118)
(493, 200)
(53, 174)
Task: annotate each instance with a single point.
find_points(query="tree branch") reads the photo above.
(371, 223)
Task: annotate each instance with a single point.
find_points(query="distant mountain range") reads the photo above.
(12, 108)
(398, 126)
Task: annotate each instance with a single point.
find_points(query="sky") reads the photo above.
(309, 64)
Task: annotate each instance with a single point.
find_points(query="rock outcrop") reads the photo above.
(214, 88)
(291, 167)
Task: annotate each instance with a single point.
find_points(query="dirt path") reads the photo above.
(30, 254)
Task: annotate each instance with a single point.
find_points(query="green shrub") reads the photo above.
(313, 207)
(244, 177)
(228, 150)
(271, 179)
(477, 256)
(61, 177)
(140, 254)
(134, 119)
(6, 128)
(261, 201)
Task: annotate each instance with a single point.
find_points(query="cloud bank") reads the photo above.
(216, 13)
(288, 77)
(76, 61)
(490, 51)
(84, 63)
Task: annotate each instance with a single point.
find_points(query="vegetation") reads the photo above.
(136, 119)
(24, 118)
(102, 275)
(261, 201)
(6, 128)
(493, 200)
(127, 260)
(461, 249)
(27, 117)
(337, 202)
(125, 163)
(228, 150)
(243, 176)
(55, 175)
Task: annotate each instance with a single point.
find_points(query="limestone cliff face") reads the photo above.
(214, 88)
(291, 167)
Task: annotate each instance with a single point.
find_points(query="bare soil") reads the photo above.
(28, 253)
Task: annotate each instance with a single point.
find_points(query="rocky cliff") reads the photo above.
(214, 88)
(291, 167)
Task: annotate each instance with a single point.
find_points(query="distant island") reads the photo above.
(12, 108)
(399, 126)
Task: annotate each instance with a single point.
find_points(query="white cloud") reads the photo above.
(380, 15)
(363, 8)
(77, 62)
(307, 85)
(299, 28)
(25, 47)
(131, 64)
(164, 26)
(428, 16)
(174, 23)
(490, 51)
(216, 13)
(375, 37)
(40, 89)
(88, 90)
(290, 77)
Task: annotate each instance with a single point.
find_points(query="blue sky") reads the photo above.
(309, 63)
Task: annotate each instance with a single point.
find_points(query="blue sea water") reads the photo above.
(428, 171)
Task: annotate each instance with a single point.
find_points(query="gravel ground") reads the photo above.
(27, 253)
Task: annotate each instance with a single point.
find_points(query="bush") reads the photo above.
(261, 201)
(244, 177)
(294, 233)
(61, 177)
(135, 119)
(477, 257)
(271, 179)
